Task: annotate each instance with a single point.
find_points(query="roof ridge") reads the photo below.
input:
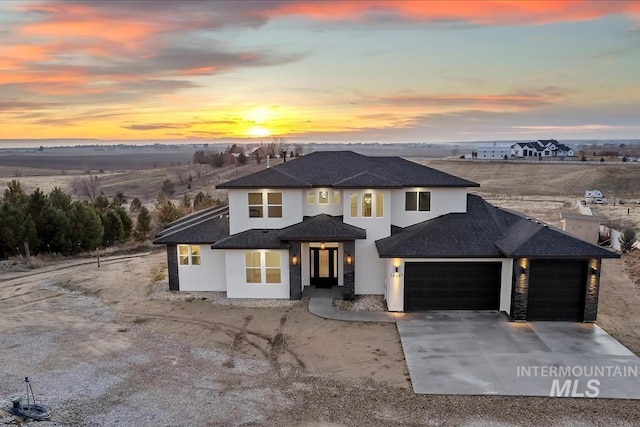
(289, 175)
(182, 227)
(366, 173)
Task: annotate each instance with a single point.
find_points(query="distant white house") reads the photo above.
(541, 148)
(493, 152)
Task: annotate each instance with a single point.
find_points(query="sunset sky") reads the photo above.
(320, 71)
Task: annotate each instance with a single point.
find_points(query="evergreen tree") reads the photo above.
(127, 223)
(113, 230)
(87, 226)
(16, 228)
(57, 232)
(59, 199)
(101, 204)
(143, 224)
(135, 206)
(15, 195)
(168, 188)
(166, 212)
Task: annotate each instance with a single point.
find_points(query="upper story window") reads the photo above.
(336, 198)
(257, 206)
(274, 205)
(323, 197)
(189, 254)
(379, 205)
(353, 205)
(417, 201)
(262, 267)
(367, 205)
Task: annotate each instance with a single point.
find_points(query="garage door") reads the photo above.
(452, 285)
(556, 290)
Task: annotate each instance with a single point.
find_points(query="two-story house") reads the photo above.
(541, 148)
(384, 226)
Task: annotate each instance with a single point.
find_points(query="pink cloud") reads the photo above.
(498, 12)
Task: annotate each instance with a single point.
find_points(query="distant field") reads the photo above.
(87, 159)
(539, 190)
(559, 179)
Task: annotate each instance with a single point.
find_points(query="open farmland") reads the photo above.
(546, 179)
(539, 190)
(542, 191)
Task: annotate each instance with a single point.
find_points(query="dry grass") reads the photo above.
(559, 179)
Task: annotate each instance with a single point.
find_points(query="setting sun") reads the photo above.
(258, 132)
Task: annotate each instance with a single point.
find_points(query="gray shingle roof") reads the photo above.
(485, 231)
(527, 239)
(322, 227)
(206, 226)
(455, 235)
(346, 168)
(252, 239)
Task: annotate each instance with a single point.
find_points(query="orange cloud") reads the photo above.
(478, 12)
(72, 21)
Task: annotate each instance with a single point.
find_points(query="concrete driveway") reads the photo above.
(476, 353)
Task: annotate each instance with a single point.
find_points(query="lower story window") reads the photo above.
(189, 254)
(263, 267)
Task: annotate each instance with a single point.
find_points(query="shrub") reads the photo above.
(627, 239)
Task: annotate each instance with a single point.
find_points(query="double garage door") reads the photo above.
(556, 287)
(452, 285)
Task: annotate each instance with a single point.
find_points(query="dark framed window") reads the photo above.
(417, 201)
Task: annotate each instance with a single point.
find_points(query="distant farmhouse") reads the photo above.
(540, 148)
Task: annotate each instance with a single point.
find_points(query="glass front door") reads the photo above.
(324, 267)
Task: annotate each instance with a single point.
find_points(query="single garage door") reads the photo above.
(557, 290)
(452, 285)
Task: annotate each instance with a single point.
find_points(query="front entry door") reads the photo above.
(324, 267)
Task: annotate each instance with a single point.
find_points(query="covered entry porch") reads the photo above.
(322, 255)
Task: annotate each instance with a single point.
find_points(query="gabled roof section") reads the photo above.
(252, 239)
(368, 180)
(274, 177)
(486, 231)
(206, 226)
(455, 235)
(339, 168)
(531, 240)
(322, 227)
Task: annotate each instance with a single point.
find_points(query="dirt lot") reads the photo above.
(102, 351)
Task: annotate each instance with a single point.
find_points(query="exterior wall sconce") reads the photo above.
(349, 259)
(322, 246)
(294, 259)
(523, 270)
(396, 269)
(593, 270)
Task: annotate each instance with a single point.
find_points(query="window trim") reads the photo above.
(365, 205)
(265, 206)
(263, 268)
(190, 256)
(353, 208)
(274, 205)
(417, 194)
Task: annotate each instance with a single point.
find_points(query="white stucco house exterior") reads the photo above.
(493, 152)
(383, 226)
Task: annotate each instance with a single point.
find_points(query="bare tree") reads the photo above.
(86, 186)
